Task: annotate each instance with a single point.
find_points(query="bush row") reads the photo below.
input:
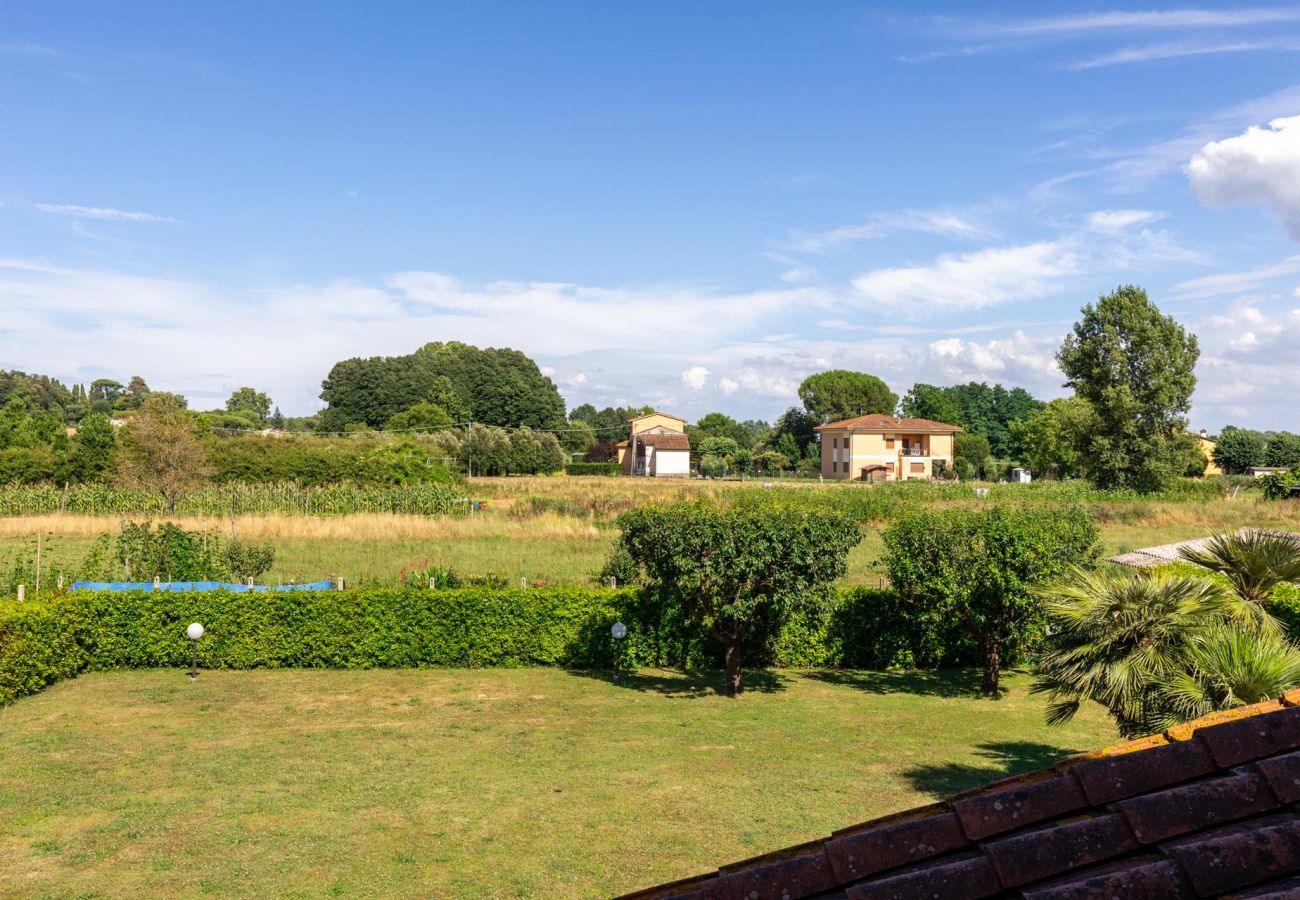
(236, 499)
(592, 468)
(47, 640)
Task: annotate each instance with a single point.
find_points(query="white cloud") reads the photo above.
(101, 212)
(1112, 221)
(1258, 168)
(577, 380)
(695, 378)
(945, 222)
(1223, 283)
(976, 280)
(1019, 359)
(1178, 50)
(729, 386)
(1118, 20)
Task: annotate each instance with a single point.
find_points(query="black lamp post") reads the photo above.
(619, 631)
(194, 632)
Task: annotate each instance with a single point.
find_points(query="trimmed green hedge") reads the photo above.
(46, 640)
(592, 468)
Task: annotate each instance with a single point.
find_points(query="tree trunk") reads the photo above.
(735, 687)
(992, 667)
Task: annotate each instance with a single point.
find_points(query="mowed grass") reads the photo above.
(487, 783)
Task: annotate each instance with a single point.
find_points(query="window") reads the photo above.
(918, 467)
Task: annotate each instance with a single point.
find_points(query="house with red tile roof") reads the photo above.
(885, 448)
(1206, 809)
(656, 447)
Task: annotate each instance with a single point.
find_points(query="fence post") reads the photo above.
(613, 582)
(432, 584)
(22, 592)
(60, 581)
(340, 582)
(157, 582)
(250, 582)
(523, 582)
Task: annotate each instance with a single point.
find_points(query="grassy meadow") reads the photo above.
(484, 783)
(559, 530)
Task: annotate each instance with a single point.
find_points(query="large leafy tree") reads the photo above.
(161, 450)
(1283, 450)
(729, 568)
(490, 386)
(250, 402)
(1237, 449)
(925, 401)
(842, 394)
(1136, 367)
(1047, 440)
(720, 425)
(93, 449)
(1158, 649)
(979, 567)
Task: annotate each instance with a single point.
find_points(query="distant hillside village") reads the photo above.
(450, 410)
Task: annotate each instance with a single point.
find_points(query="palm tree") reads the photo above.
(1253, 560)
(1131, 642)
(1231, 667)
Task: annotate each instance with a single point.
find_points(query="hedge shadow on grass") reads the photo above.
(931, 683)
(687, 685)
(1005, 758)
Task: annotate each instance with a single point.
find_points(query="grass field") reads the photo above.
(560, 530)
(499, 783)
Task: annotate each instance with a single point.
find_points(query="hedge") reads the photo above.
(46, 640)
(592, 468)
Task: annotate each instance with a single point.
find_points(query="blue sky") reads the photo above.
(683, 204)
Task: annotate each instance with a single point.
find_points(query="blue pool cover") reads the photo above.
(199, 586)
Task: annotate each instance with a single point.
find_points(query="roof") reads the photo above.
(665, 441)
(657, 413)
(1206, 809)
(878, 422)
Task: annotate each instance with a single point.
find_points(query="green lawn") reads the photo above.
(532, 782)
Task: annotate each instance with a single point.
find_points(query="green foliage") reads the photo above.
(252, 403)
(719, 425)
(427, 499)
(608, 424)
(978, 567)
(402, 463)
(842, 394)
(925, 401)
(170, 553)
(721, 447)
(247, 559)
(1278, 485)
(577, 437)
(1157, 649)
(592, 468)
(727, 568)
(1253, 561)
(1047, 439)
(423, 416)
(1237, 450)
(969, 453)
(1283, 450)
(1136, 368)
(498, 387)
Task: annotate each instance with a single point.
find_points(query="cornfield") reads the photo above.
(235, 499)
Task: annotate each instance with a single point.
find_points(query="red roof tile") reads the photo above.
(1204, 810)
(878, 422)
(665, 441)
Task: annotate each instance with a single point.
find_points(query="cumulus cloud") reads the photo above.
(967, 281)
(103, 213)
(695, 378)
(1258, 168)
(729, 386)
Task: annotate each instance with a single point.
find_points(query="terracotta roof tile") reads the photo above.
(665, 441)
(1282, 889)
(1203, 809)
(878, 422)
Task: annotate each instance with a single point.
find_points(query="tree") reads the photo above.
(979, 567)
(534, 452)
(423, 416)
(1283, 450)
(793, 433)
(718, 424)
(486, 450)
(401, 462)
(251, 402)
(1237, 450)
(925, 401)
(969, 454)
(1047, 439)
(93, 449)
(729, 568)
(577, 437)
(1136, 368)
(1254, 561)
(1140, 645)
(842, 394)
(161, 450)
(134, 395)
(277, 420)
(771, 461)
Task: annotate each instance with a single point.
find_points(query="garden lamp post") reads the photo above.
(194, 632)
(619, 631)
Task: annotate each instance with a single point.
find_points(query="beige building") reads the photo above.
(657, 447)
(884, 448)
(1207, 450)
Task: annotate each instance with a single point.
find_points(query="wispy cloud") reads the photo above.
(1178, 49)
(1117, 21)
(103, 213)
(946, 222)
(1224, 283)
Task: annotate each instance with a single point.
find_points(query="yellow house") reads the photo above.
(1207, 448)
(885, 448)
(656, 447)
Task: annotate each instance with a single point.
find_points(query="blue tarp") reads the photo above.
(199, 586)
